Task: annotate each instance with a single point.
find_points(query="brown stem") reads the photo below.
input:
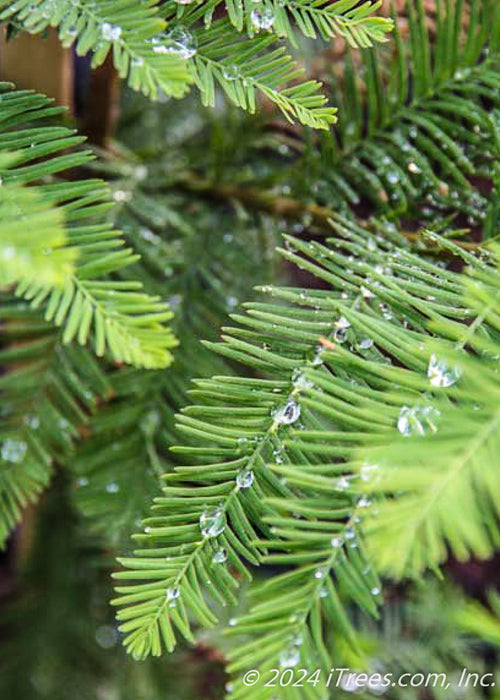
(287, 207)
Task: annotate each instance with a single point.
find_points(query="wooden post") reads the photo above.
(38, 62)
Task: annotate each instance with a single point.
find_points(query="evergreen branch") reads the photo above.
(348, 19)
(127, 28)
(19, 486)
(476, 619)
(120, 462)
(311, 377)
(296, 210)
(293, 609)
(415, 130)
(242, 66)
(153, 59)
(32, 239)
(463, 477)
(50, 393)
(116, 315)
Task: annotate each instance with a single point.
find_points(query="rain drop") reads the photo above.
(417, 420)
(244, 479)
(369, 472)
(13, 450)
(262, 18)
(365, 343)
(440, 374)
(289, 658)
(231, 73)
(172, 596)
(212, 522)
(288, 414)
(176, 41)
(110, 32)
(220, 556)
(342, 483)
(300, 381)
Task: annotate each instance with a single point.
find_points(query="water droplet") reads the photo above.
(317, 359)
(289, 658)
(417, 420)
(82, 482)
(323, 593)
(106, 636)
(110, 32)
(172, 596)
(386, 312)
(340, 335)
(33, 422)
(122, 196)
(176, 41)
(342, 323)
(13, 450)
(348, 683)
(318, 574)
(231, 73)
(220, 556)
(375, 591)
(364, 502)
(244, 479)
(262, 18)
(336, 542)
(413, 168)
(365, 343)
(140, 172)
(137, 62)
(393, 177)
(112, 487)
(369, 472)
(70, 33)
(288, 414)
(440, 374)
(342, 483)
(212, 522)
(233, 622)
(300, 381)
(350, 534)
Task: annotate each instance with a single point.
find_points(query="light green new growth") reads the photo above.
(117, 317)
(32, 239)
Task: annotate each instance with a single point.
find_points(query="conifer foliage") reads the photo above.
(286, 337)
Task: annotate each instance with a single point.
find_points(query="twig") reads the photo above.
(287, 207)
